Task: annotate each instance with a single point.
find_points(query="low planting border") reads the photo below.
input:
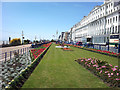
(104, 71)
(24, 74)
(99, 52)
(117, 56)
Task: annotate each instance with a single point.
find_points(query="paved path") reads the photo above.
(8, 49)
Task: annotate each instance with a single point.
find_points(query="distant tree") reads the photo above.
(26, 41)
(53, 40)
(15, 41)
(35, 41)
(65, 40)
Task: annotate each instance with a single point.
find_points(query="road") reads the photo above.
(8, 49)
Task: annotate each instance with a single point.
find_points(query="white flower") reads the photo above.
(29, 65)
(7, 87)
(12, 81)
(9, 83)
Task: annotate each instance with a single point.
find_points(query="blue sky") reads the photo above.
(41, 19)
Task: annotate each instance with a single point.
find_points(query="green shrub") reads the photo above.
(15, 41)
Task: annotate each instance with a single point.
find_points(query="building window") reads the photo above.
(115, 29)
(113, 19)
(117, 8)
(110, 20)
(110, 30)
(116, 18)
(119, 17)
(119, 29)
(104, 32)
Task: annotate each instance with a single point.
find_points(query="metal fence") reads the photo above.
(9, 55)
(101, 47)
(4, 42)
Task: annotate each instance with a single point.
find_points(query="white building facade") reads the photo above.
(99, 24)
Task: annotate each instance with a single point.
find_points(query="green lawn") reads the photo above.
(58, 69)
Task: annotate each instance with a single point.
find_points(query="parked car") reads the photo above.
(79, 43)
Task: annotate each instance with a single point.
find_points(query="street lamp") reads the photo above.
(119, 44)
(22, 37)
(108, 39)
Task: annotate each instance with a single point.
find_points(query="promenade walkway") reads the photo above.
(12, 48)
(58, 69)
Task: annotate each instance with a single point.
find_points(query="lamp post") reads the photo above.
(119, 44)
(9, 39)
(108, 39)
(22, 37)
(108, 43)
(35, 39)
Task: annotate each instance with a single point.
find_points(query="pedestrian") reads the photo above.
(116, 46)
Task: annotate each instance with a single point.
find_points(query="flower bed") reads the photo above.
(46, 45)
(67, 49)
(24, 74)
(108, 73)
(103, 52)
(98, 51)
(12, 68)
(37, 51)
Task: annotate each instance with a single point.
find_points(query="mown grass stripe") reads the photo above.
(58, 69)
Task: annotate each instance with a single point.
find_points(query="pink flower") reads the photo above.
(97, 68)
(108, 74)
(88, 65)
(115, 66)
(117, 74)
(117, 79)
(110, 65)
(89, 58)
(106, 71)
(114, 69)
(95, 61)
(85, 62)
(95, 65)
(101, 71)
(103, 66)
(91, 61)
(111, 73)
(81, 60)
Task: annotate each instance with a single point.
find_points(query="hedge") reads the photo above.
(24, 74)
